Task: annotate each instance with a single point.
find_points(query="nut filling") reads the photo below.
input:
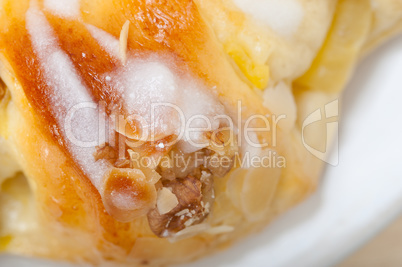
(184, 182)
(195, 198)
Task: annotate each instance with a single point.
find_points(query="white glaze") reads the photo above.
(63, 8)
(68, 92)
(105, 40)
(166, 102)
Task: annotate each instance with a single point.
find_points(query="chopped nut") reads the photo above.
(123, 41)
(127, 194)
(176, 191)
(105, 152)
(189, 232)
(223, 148)
(222, 140)
(220, 165)
(220, 230)
(122, 163)
(182, 212)
(133, 155)
(189, 211)
(166, 201)
(152, 176)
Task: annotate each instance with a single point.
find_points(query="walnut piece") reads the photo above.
(190, 210)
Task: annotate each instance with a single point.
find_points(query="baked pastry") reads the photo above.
(156, 132)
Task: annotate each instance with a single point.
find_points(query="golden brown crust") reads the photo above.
(67, 201)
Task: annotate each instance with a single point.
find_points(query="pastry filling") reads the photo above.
(183, 181)
(149, 135)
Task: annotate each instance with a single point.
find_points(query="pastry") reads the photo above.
(157, 132)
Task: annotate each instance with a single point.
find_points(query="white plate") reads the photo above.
(356, 199)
